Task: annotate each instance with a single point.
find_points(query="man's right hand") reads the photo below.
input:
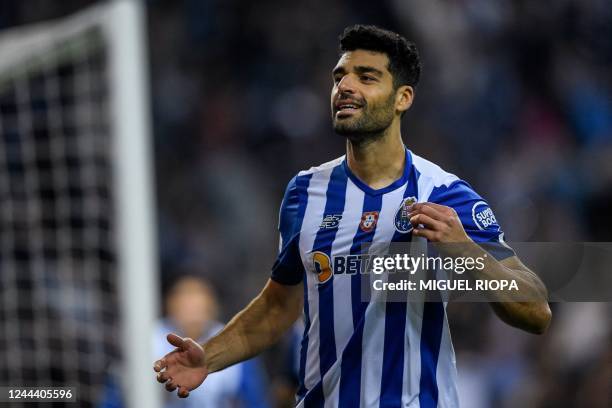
(183, 368)
(255, 328)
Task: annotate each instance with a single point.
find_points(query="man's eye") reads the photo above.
(337, 79)
(366, 78)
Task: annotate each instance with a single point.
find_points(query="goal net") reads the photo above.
(77, 270)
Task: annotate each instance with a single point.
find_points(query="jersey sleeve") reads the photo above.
(476, 216)
(288, 268)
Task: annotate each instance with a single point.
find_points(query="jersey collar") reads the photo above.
(396, 184)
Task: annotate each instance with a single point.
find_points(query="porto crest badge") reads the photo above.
(402, 221)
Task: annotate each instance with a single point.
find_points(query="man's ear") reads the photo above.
(403, 98)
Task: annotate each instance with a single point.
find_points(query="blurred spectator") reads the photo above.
(191, 311)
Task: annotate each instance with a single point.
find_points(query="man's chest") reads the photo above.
(336, 240)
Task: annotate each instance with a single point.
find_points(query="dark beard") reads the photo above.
(371, 126)
(362, 137)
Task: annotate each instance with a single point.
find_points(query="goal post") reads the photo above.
(78, 267)
(135, 198)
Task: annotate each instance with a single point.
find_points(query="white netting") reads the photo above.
(58, 266)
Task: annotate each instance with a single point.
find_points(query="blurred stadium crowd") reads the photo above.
(515, 97)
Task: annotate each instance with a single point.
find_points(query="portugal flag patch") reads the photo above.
(368, 221)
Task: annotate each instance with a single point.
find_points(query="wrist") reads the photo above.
(461, 249)
(205, 363)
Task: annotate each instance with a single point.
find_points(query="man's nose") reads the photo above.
(347, 84)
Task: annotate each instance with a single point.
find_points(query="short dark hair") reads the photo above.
(404, 62)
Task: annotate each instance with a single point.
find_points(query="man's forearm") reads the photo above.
(531, 312)
(441, 224)
(255, 328)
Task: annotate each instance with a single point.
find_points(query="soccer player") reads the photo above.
(356, 353)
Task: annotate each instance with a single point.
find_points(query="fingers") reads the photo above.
(176, 341)
(163, 377)
(438, 207)
(183, 392)
(431, 217)
(170, 386)
(426, 208)
(436, 211)
(189, 343)
(438, 223)
(160, 365)
(427, 221)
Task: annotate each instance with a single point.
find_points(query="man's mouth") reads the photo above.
(346, 108)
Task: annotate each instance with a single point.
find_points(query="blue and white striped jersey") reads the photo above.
(369, 354)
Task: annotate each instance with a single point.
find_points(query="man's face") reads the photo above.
(363, 96)
(191, 305)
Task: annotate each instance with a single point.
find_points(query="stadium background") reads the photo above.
(515, 97)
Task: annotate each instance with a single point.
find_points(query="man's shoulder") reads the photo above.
(299, 183)
(327, 166)
(440, 186)
(432, 172)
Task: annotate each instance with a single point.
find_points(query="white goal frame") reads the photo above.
(122, 23)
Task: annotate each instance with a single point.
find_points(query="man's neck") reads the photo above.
(379, 163)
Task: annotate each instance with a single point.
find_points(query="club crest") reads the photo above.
(368, 221)
(402, 222)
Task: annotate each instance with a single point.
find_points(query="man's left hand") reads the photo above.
(437, 223)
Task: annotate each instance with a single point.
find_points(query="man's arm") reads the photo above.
(533, 317)
(442, 224)
(255, 328)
